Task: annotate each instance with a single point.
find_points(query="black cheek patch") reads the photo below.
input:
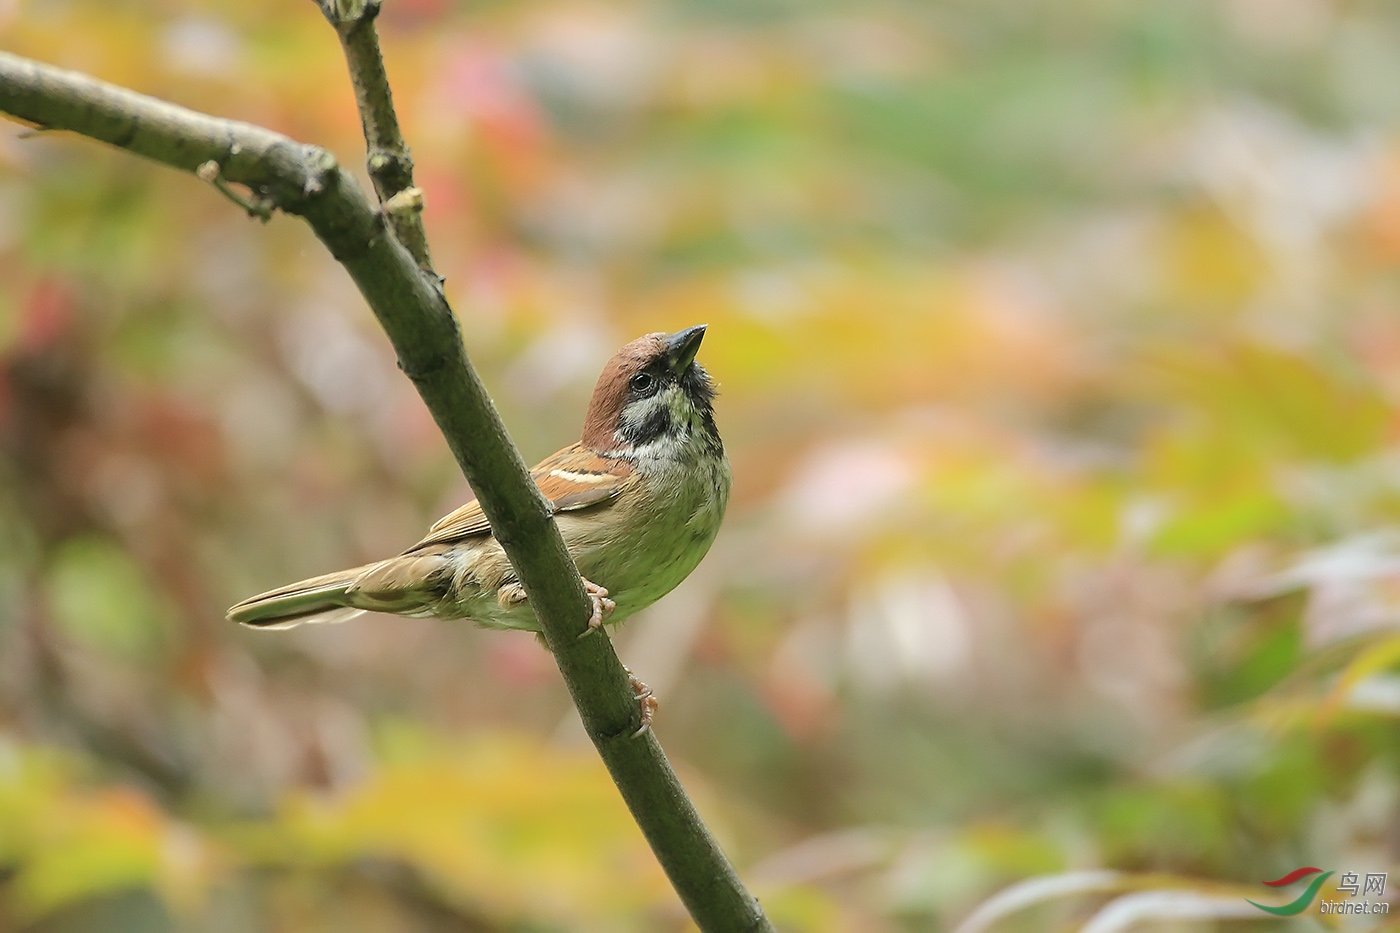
(657, 423)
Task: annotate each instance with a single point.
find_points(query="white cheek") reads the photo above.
(635, 414)
(683, 441)
(672, 400)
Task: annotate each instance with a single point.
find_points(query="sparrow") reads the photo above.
(638, 500)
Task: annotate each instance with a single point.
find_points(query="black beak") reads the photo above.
(682, 346)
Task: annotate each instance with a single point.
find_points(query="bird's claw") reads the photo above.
(602, 607)
(646, 700)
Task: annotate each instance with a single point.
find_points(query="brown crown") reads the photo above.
(610, 393)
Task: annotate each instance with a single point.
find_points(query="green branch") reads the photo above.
(306, 181)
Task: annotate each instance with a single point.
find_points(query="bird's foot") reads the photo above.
(602, 606)
(513, 594)
(646, 700)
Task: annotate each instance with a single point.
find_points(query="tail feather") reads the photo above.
(319, 599)
(329, 617)
(400, 585)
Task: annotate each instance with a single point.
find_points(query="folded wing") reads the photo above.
(573, 478)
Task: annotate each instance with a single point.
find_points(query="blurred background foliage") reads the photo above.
(1060, 354)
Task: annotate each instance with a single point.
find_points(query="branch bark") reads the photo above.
(388, 160)
(409, 304)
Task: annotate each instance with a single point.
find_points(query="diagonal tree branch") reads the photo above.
(306, 181)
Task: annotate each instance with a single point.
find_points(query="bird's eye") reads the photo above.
(642, 382)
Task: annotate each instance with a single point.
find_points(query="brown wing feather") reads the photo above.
(572, 478)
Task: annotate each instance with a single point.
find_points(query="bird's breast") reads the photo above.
(656, 533)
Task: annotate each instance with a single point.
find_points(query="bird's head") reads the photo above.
(653, 398)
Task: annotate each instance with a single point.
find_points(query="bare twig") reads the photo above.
(260, 208)
(306, 181)
(388, 160)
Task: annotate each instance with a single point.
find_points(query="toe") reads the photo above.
(646, 700)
